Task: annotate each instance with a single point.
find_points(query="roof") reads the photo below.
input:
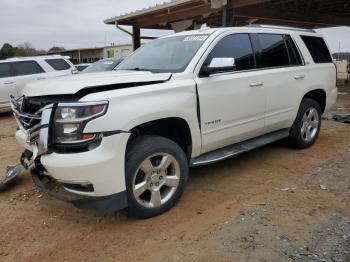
(14, 59)
(311, 13)
(255, 28)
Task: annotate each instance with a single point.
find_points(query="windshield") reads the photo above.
(166, 55)
(103, 65)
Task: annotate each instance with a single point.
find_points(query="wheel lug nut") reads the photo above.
(151, 184)
(157, 184)
(161, 177)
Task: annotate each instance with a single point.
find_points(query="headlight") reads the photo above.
(71, 119)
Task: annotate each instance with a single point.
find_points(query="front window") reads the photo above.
(166, 55)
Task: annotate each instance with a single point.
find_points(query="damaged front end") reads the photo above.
(45, 129)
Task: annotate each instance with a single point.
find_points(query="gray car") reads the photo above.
(103, 65)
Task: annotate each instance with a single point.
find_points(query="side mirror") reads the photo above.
(220, 65)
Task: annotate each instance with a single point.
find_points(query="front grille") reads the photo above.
(28, 113)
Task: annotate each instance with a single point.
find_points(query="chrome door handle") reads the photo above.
(299, 77)
(41, 78)
(8, 83)
(256, 84)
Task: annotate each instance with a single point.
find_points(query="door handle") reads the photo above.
(8, 82)
(256, 84)
(41, 78)
(299, 77)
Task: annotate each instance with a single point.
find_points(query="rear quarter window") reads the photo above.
(58, 64)
(318, 49)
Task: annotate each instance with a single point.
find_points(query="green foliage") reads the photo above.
(7, 51)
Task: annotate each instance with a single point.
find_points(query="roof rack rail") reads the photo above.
(282, 27)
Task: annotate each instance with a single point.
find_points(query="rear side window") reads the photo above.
(318, 49)
(27, 68)
(5, 70)
(58, 64)
(237, 46)
(273, 51)
(295, 58)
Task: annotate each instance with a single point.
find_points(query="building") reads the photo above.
(90, 55)
(182, 15)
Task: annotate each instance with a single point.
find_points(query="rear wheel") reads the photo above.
(156, 175)
(307, 125)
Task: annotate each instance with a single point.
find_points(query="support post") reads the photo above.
(227, 16)
(136, 37)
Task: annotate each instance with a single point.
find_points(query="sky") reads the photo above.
(79, 23)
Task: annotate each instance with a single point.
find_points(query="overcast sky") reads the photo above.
(79, 23)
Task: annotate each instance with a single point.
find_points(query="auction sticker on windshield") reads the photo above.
(196, 38)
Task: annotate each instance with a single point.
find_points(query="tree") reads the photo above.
(26, 49)
(7, 51)
(56, 49)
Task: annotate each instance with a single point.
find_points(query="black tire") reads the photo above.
(138, 151)
(296, 138)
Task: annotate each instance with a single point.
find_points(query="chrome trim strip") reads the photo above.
(79, 104)
(44, 132)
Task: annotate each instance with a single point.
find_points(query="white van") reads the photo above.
(15, 73)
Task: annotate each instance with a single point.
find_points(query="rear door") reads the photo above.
(26, 72)
(279, 76)
(232, 104)
(7, 84)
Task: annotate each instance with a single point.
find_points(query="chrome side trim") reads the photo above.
(43, 142)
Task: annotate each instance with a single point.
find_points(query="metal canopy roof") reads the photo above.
(311, 13)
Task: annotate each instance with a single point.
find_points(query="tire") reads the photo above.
(156, 174)
(307, 125)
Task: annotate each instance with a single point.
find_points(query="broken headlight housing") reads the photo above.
(71, 118)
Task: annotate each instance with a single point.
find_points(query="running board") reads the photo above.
(239, 148)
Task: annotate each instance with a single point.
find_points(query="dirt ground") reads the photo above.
(271, 204)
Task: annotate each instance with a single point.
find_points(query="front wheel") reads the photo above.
(307, 125)
(156, 175)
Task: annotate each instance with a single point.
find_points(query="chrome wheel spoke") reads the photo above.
(303, 130)
(147, 166)
(156, 199)
(140, 188)
(305, 118)
(172, 181)
(165, 162)
(311, 114)
(308, 134)
(314, 124)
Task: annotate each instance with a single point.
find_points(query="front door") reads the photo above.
(232, 104)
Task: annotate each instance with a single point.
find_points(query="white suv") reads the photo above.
(15, 73)
(126, 138)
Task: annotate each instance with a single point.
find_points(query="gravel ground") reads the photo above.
(271, 204)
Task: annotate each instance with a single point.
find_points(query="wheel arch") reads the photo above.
(176, 129)
(320, 96)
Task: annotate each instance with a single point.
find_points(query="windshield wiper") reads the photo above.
(138, 69)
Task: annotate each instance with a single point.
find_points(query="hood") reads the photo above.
(69, 85)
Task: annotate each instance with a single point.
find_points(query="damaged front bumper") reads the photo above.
(93, 180)
(98, 205)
